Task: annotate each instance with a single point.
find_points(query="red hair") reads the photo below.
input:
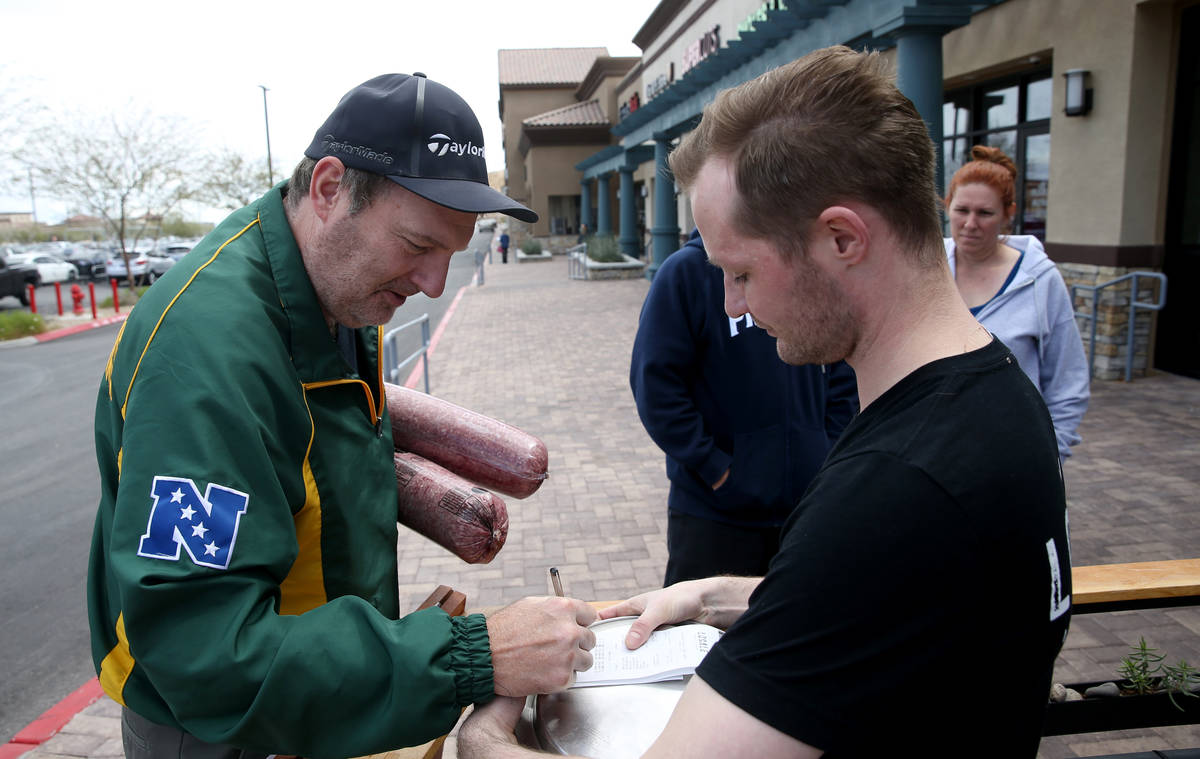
(988, 166)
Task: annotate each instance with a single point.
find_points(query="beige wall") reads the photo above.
(554, 168)
(606, 93)
(518, 106)
(1107, 169)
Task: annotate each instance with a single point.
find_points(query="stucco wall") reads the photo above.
(554, 167)
(1107, 169)
(518, 106)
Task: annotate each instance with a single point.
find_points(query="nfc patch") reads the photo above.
(204, 525)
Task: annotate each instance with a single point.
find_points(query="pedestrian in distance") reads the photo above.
(504, 245)
(915, 548)
(743, 432)
(1015, 290)
(242, 589)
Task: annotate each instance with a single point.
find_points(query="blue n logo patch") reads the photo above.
(204, 525)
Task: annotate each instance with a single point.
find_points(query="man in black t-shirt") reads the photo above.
(922, 589)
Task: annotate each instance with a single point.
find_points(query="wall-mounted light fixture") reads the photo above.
(1079, 92)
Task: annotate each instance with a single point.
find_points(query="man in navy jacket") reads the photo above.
(743, 432)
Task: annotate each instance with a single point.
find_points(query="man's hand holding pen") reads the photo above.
(538, 644)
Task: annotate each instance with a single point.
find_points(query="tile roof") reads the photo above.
(587, 113)
(557, 65)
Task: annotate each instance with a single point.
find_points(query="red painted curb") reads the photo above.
(415, 375)
(54, 718)
(13, 750)
(74, 329)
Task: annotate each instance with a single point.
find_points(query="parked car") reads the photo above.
(49, 268)
(177, 250)
(14, 278)
(146, 266)
(90, 263)
(486, 225)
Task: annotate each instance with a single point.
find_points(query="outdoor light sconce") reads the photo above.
(1079, 94)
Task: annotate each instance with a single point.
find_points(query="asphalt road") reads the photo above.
(48, 495)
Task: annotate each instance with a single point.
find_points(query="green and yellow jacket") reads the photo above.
(243, 574)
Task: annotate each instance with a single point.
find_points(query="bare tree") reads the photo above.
(17, 112)
(232, 181)
(126, 169)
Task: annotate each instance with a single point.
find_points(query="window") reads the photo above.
(564, 214)
(1012, 114)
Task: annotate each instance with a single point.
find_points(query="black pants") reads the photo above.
(504, 255)
(144, 739)
(698, 548)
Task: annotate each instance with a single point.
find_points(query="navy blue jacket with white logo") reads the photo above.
(714, 395)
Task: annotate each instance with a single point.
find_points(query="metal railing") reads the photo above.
(1134, 304)
(577, 261)
(391, 350)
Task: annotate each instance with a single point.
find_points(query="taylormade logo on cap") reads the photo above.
(333, 146)
(439, 144)
(419, 134)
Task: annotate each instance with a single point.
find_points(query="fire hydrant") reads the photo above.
(77, 300)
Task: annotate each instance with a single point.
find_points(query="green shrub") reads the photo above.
(604, 249)
(127, 300)
(531, 247)
(14, 324)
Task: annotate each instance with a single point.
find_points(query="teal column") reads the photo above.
(665, 232)
(603, 211)
(919, 76)
(585, 205)
(628, 239)
(918, 31)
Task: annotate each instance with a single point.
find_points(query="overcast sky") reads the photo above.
(205, 60)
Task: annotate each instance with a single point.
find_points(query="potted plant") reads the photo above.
(1151, 694)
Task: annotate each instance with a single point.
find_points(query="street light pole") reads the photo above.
(267, 123)
(32, 202)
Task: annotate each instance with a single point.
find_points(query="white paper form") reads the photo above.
(669, 654)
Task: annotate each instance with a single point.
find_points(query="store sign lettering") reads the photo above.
(700, 49)
(760, 14)
(629, 106)
(656, 85)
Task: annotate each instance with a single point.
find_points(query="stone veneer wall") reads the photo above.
(1112, 318)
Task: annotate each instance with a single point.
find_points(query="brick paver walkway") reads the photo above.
(551, 355)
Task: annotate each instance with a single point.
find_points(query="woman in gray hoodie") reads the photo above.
(1014, 289)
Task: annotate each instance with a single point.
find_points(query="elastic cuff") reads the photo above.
(471, 660)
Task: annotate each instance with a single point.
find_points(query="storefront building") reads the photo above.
(1097, 101)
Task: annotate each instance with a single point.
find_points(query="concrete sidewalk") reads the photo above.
(551, 356)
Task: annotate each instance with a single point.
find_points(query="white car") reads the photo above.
(49, 268)
(145, 266)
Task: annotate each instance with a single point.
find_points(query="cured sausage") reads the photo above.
(478, 448)
(464, 519)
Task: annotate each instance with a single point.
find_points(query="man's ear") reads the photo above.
(323, 191)
(841, 233)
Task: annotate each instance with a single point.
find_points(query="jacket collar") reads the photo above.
(314, 351)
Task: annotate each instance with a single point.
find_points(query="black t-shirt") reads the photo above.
(922, 591)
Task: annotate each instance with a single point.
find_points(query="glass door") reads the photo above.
(1177, 346)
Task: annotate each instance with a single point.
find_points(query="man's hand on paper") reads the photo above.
(538, 644)
(717, 601)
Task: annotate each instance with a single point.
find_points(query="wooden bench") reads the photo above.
(1125, 587)
(1141, 585)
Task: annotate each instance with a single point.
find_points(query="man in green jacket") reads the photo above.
(243, 580)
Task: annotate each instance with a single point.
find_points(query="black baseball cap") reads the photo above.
(419, 134)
